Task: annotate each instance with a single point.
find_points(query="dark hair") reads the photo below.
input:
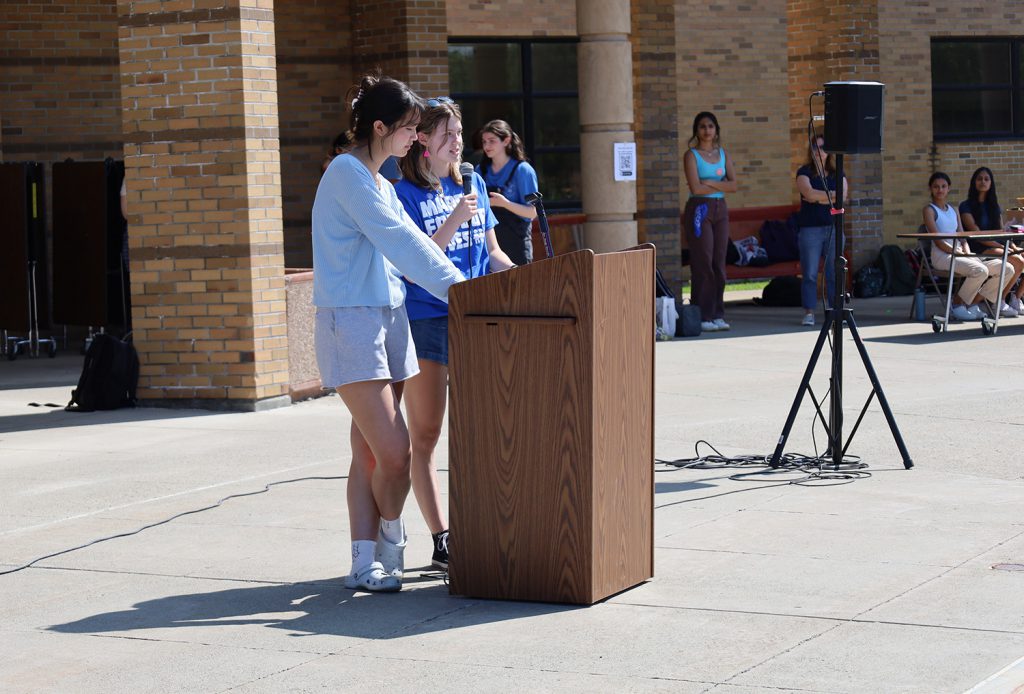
(340, 142)
(501, 130)
(696, 121)
(830, 159)
(383, 99)
(936, 176)
(991, 202)
(415, 167)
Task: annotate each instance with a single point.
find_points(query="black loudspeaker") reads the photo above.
(853, 117)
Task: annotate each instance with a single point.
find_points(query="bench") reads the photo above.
(744, 222)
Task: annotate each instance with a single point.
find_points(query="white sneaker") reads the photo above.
(808, 319)
(722, 325)
(1007, 311)
(373, 578)
(961, 312)
(977, 311)
(709, 326)
(1015, 304)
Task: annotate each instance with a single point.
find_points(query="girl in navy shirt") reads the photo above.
(431, 190)
(817, 238)
(981, 212)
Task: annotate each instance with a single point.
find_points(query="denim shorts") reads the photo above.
(363, 343)
(430, 336)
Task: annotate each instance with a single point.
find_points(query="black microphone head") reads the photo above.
(466, 170)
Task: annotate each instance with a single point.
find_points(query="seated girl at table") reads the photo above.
(981, 212)
(981, 277)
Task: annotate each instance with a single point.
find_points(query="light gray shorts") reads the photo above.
(364, 343)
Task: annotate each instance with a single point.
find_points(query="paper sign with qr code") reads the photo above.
(625, 161)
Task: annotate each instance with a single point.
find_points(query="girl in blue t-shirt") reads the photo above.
(817, 231)
(509, 178)
(431, 190)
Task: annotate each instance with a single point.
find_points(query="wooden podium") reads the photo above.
(551, 429)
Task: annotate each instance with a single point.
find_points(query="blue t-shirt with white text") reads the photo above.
(521, 183)
(468, 248)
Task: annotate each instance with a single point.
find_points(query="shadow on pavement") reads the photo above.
(315, 607)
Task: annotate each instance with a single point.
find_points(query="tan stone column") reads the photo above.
(199, 99)
(606, 117)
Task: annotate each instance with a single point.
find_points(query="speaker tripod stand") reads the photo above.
(836, 316)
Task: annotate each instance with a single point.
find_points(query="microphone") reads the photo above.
(466, 169)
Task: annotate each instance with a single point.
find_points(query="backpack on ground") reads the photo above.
(868, 282)
(899, 277)
(109, 377)
(781, 291)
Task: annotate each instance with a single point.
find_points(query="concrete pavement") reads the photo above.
(902, 581)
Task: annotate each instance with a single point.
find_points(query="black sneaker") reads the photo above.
(440, 558)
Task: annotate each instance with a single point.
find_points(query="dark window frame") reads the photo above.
(527, 97)
(1014, 88)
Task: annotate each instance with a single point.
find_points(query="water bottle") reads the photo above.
(919, 304)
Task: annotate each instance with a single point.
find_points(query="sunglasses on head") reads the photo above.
(438, 100)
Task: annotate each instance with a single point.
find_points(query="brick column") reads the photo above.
(655, 100)
(606, 117)
(198, 91)
(407, 39)
(833, 41)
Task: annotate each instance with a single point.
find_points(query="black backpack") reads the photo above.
(109, 376)
(868, 282)
(781, 291)
(900, 278)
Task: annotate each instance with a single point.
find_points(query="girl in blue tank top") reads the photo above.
(709, 175)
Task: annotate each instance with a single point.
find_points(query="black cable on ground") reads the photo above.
(811, 470)
(266, 488)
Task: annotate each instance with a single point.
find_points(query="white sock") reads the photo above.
(362, 554)
(393, 530)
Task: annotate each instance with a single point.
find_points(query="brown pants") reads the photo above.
(707, 255)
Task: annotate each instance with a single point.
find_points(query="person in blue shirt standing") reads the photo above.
(509, 178)
(363, 244)
(462, 226)
(817, 237)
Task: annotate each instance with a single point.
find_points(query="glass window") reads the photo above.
(976, 85)
(970, 62)
(974, 111)
(532, 85)
(554, 67)
(486, 68)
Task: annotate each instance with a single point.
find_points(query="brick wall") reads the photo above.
(830, 41)
(407, 39)
(199, 93)
(733, 62)
(313, 75)
(518, 18)
(656, 129)
(910, 154)
(60, 92)
(59, 86)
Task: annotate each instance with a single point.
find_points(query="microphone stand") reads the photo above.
(838, 314)
(536, 199)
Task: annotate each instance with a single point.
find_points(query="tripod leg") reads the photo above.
(907, 462)
(804, 384)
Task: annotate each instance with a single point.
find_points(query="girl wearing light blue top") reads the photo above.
(709, 175)
(363, 243)
(462, 226)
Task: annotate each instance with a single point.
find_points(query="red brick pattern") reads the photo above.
(314, 72)
(515, 18)
(655, 103)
